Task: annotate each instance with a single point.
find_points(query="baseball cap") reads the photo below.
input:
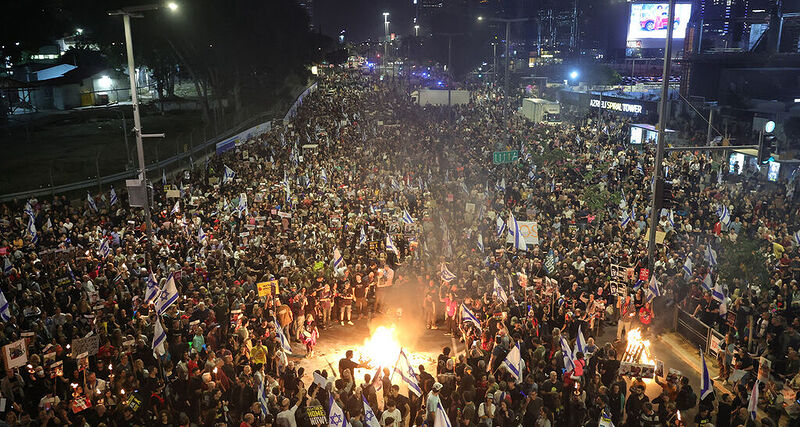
(437, 386)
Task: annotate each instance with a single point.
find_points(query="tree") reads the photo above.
(743, 262)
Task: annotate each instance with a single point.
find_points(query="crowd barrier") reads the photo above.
(196, 154)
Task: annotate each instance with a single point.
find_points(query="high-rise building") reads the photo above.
(308, 5)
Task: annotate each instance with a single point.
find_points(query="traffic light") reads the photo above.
(768, 143)
(665, 195)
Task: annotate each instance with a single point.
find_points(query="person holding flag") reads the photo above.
(159, 338)
(5, 309)
(406, 373)
(167, 296)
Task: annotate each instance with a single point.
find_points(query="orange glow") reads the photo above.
(381, 349)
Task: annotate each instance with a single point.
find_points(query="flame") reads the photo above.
(638, 349)
(380, 349)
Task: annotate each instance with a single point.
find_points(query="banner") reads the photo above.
(90, 345)
(267, 288)
(15, 354)
(529, 231)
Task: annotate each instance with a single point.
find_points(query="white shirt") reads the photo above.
(286, 418)
(482, 411)
(395, 415)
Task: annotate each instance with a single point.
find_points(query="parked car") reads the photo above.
(658, 22)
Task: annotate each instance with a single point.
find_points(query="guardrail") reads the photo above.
(196, 153)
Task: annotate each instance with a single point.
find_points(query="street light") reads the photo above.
(385, 37)
(573, 75)
(416, 30)
(127, 13)
(79, 31)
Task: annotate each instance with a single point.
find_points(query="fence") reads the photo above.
(170, 165)
(697, 332)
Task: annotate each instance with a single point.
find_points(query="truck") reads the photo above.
(541, 110)
(425, 97)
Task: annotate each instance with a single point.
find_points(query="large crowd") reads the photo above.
(311, 225)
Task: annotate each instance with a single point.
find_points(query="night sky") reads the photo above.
(363, 19)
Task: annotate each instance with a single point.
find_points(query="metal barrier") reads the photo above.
(693, 329)
(196, 153)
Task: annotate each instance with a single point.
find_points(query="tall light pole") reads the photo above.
(127, 13)
(385, 37)
(416, 30)
(508, 23)
(658, 182)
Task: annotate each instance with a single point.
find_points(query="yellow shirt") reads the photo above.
(778, 249)
(258, 354)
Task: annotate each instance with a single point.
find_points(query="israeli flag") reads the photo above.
(7, 266)
(671, 218)
(724, 216)
(626, 218)
(499, 291)
(370, 419)
(105, 249)
(708, 284)
(151, 292)
(706, 387)
(407, 217)
(242, 208)
(501, 227)
(176, 208)
(262, 398)
(71, 274)
(31, 229)
(167, 296)
(796, 237)
(711, 256)
(29, 209)
(228, 174)
(553, 185)
(513, 363)
(519, 240)
(719, 296)
(113, 197)
(639, 168)
(390, 246)
(201, 235)
(336, 417)
(467, 316)
(285, 346)
(5, 309)
(580, 343)
(159, 336)
(323, 176)
(752, 404)
(407, 375)
(446, 275)
(92, 204)
(567, 355)
(653, 289)
(49, 224)
(362, 240)
(338, 260)
(440, 417)
(480, 242)
(687, 268)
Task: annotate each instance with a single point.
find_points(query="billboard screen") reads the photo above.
(647, 27)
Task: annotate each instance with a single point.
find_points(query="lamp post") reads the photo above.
(416, 30)
(127, 13)
(385, 37)
(508, 23)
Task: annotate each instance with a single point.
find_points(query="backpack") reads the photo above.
(687, 399)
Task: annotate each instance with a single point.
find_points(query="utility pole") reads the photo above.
(662, 124)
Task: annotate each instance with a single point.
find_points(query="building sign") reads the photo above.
(616, 106)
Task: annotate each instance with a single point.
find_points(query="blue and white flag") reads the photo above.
(31, 229)
(105, 248)
(167, 296)
(113, 197)
(671, 218)
(159, 336)
(391, 247)
(151, 292)
(499, 291)
(653, 289)
(5, 308)
(639, 283)
(480, 242)
(796, 238)
(467, 316)
(176, 208)
(706, 387)
(752, 404)
(687, 268)
(370, 419)
(201, 235)
(724, 216)
(407, 217)
(92, 204)
(71, 273)
(336, 417)
(49, 224)
(711, 256)
(513, 363)
(242, 208)
(323, 176)
(553, 185)
(285, 345)
(29, 209)
(440, 418)
(362, 240)
(707, 283)
(445, 274)
(338, 260)
(626, 218)
(228, 174)
(718, 294)
(580, 343)
(501, 227)
(639, 168)
(262, 398)
(519, 239)
(407, 375)
(7, 266)
(567, 355)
